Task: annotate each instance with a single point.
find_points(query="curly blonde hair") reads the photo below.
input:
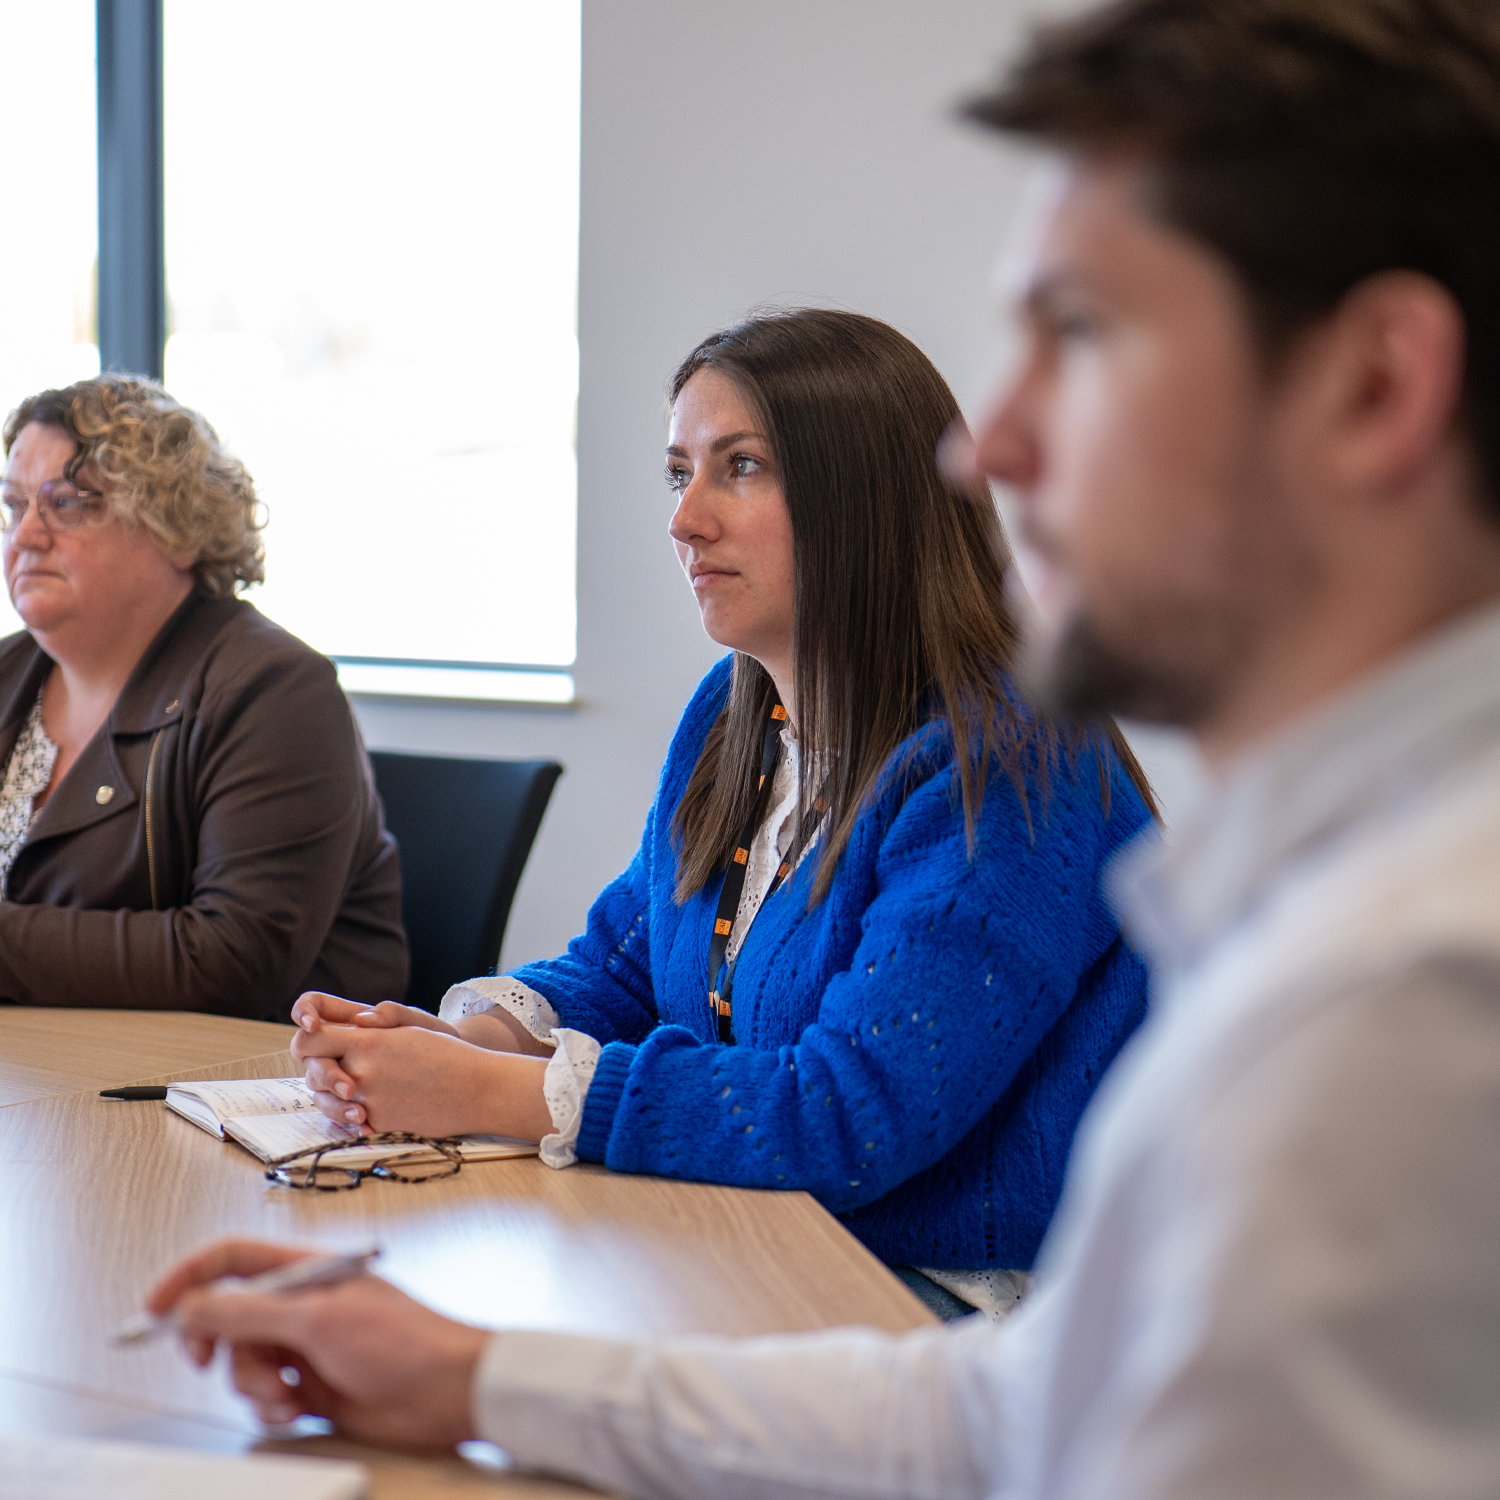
(162, 467)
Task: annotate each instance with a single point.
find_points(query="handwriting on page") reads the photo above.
(276, 1137)
(255, 1096)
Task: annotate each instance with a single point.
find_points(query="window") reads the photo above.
(371, 230)
(371, 250)
(47, 253)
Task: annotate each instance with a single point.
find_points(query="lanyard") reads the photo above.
(721, 973)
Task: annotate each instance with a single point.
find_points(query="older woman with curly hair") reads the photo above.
(187, 816)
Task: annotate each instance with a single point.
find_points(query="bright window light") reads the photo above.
(372, 251)
(51, 194)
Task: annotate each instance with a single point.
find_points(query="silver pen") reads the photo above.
(310, 1271)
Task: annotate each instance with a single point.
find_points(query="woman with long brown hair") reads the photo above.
(862, 949)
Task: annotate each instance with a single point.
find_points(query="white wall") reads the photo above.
(733, 154)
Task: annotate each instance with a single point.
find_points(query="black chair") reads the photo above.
(464, 828)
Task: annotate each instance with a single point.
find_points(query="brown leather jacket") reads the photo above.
(217, 846)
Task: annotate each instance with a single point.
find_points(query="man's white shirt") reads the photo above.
(1276, 1267)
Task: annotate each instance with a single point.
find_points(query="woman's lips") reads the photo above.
(702, 577)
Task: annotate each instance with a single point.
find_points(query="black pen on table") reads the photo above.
(136, 1091)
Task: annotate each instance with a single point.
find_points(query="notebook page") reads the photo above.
(295, 1133)
(80, 1469)
(211, 1102)
(471, 1148)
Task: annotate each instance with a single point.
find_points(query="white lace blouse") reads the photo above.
(27, 774)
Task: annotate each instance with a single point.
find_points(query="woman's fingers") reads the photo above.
(324, 1075)
(388, 1014)
(224, 1258)
(315, 1008)
(336, 1109)
(335, 1091)
(327, 1041)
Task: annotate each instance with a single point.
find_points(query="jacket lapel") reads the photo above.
(97, 786)
(94, 789)
(18, 705)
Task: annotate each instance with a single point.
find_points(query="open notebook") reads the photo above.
(277, 1120)
(79, 1469)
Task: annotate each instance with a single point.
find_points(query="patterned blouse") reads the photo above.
(26, 777)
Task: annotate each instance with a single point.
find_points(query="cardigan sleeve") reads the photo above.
(961, 969)
(602, 984)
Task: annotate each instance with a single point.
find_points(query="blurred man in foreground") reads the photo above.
(1255, 446)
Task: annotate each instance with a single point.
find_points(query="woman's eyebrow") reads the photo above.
(719, 444)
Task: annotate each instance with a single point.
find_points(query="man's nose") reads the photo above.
(1006, 445)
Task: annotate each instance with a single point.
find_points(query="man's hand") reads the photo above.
(417, 1079)
(381, 1367)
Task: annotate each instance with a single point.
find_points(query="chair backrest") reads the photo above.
(464, 828)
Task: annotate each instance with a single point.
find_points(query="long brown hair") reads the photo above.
(898, 585)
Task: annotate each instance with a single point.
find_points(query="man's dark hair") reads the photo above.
(1311, 143)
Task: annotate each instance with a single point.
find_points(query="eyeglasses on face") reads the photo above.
(61, 505)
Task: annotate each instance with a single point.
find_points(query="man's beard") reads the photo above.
(1080, 675)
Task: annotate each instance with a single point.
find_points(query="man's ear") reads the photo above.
(1384, 373)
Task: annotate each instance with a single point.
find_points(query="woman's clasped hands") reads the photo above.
(394, 1067)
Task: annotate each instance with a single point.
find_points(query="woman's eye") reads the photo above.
(743, 465)
(677, 479)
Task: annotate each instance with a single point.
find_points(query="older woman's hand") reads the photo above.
(418, 1079)
(381, 1367)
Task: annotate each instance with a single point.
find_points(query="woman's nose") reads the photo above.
(30, 531)
(693, 520)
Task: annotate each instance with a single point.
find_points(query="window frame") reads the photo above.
(133, 323)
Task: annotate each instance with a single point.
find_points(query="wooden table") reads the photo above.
(48, 1052)
(98, 1196)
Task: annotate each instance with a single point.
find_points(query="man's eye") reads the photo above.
(1075, 326)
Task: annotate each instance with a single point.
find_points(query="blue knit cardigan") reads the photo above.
(915, 1051)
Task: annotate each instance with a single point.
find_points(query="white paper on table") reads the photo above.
(81, 1469)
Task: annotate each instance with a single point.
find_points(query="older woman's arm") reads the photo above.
(285, 878)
